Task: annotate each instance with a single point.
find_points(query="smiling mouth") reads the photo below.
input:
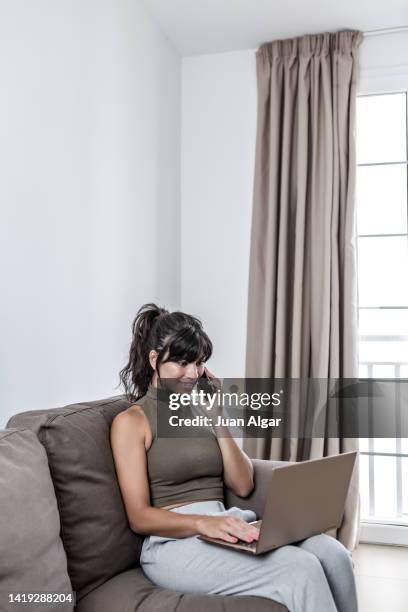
(188, 384)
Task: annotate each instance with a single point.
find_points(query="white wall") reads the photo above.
(89, 193)
(218, 154)
(384, 63)
(217, 158)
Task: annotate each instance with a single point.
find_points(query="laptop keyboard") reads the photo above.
(247, 544)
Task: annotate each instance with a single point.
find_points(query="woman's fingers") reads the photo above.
(237, 536)
(229, 538)
(213, 379)
(240, 523)
(228, 528)
(242, 530)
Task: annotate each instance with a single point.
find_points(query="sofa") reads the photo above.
(63, 526)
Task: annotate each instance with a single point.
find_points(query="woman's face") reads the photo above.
(183, 375)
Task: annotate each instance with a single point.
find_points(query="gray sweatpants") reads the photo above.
(315, 575)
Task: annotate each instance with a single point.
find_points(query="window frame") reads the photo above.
(376, 530)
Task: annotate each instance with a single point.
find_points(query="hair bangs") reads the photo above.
(191, 345)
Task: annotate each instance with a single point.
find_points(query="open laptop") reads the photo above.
(304, 499)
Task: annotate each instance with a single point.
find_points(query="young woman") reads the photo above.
(173, 488)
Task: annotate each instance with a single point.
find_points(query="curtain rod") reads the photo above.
(385, 31)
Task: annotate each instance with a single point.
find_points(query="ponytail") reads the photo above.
(137, 373)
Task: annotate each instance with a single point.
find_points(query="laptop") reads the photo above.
(304, 499)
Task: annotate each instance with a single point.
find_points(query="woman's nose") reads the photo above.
(192, 370)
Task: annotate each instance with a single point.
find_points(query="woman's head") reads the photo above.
(165, 345)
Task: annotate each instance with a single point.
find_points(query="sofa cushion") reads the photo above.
(94, 526)
(131, 591)
(32, 558)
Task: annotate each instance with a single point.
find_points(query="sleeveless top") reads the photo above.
(180, 469)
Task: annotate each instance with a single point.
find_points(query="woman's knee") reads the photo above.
(299, 563)
(311, 567)
(330, 551)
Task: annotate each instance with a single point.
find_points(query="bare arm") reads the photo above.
(128, 435)
(238, 468)
(128, 446)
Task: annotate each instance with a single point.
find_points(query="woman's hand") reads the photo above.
(228, 528)
(213, 380)
(216, 385)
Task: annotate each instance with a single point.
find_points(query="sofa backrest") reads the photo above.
(32, 557)
(94, 527)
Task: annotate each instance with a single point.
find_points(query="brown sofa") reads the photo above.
(95, 552)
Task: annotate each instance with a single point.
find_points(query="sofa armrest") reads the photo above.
(256, 499)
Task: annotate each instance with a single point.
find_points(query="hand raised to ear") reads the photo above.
(216, 382)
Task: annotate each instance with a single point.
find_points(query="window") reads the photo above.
(382, 225)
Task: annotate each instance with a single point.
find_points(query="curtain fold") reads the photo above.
(302, 302)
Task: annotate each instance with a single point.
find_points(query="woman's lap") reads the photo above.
(290, 574)
(191, 564)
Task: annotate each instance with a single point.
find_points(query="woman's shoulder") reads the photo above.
(134, 420)
(128, 418)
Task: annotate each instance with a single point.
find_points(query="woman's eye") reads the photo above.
(184, 363)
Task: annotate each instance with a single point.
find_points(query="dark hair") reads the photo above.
(156, 328)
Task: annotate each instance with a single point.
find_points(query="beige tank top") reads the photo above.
(180, 469)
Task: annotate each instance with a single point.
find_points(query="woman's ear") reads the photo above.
(153, 358)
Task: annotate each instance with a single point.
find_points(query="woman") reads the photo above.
(173, 489)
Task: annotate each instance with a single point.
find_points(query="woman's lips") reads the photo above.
(187, 385)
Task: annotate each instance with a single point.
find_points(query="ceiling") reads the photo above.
(197, 27)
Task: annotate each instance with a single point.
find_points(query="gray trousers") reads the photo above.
(314, 575)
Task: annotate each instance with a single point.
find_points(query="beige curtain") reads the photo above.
(302, 304)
